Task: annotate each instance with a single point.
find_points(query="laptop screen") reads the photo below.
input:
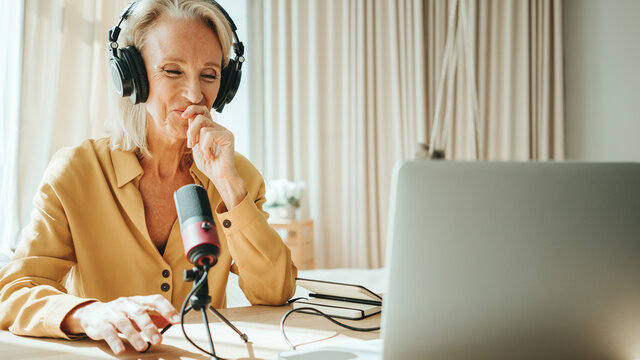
(524, 260)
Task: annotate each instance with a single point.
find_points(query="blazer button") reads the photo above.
(226, 223)
(166, 273)
(165, 287)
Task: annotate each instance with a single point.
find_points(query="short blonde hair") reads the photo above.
(129, 126)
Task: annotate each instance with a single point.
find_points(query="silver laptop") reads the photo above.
(513, 261)
(509, 261)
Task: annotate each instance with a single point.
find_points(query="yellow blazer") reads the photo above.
(88, 239)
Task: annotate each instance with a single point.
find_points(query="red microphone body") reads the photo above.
(199, 235)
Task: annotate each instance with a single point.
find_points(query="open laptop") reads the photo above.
(511, 260)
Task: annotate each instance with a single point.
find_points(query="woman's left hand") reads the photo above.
(214, 154)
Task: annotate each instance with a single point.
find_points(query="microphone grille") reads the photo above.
(192, 200)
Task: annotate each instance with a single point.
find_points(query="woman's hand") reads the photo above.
(127, 315)
(212, 144)
(214, 153)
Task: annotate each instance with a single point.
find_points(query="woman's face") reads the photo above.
(183, 59)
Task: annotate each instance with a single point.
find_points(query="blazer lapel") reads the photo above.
(128, 173)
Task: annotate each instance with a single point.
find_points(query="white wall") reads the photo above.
(602, 62)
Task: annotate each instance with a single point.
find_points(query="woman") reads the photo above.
(103, 254)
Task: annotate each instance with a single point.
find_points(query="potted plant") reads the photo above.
(283, 198)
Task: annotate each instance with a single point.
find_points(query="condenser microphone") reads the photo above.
(199, 236)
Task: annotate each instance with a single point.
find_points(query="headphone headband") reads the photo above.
(238, 46)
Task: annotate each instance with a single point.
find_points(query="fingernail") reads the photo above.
(141, 345)
(155, 338)
(175, 319)
(118, 349)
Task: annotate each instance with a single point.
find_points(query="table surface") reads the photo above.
(260, 323)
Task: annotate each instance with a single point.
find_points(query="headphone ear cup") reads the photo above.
(229, 83)
(131, 56)
(234, 82)
(121, 77)
(224, 85)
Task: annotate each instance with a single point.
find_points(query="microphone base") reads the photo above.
(201, 301)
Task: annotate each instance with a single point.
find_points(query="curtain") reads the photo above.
(502, 76)
(340, 100)
(64, 92)
(11, 23)
(342, 90)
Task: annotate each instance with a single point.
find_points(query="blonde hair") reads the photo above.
(129, 126)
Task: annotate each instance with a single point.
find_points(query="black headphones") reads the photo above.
(130, 76)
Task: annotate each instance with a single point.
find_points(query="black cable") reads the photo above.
(205, 320)
(183, 313)
(330, 318)
(161, 332)
(291, 301)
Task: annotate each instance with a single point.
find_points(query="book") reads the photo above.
(340, 300)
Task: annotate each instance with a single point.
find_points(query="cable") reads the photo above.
(161, 332)
(330, 318)
(436, 132)
(291, 301)
(205, 320)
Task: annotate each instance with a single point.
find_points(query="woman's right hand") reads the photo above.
(126, 315)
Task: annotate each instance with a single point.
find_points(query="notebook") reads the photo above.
(346, 301)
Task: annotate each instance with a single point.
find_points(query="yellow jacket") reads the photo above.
(88, 239)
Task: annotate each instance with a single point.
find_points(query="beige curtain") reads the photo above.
(344, 89)
(64, 91)
(503, 76)
(340, 100)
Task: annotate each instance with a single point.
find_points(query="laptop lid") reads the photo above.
(513, 260)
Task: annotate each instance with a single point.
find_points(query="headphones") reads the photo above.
(130, 76)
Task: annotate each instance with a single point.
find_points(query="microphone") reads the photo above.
(199, 236)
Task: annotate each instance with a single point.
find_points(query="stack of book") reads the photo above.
(346, 301)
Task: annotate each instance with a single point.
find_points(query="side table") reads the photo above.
(299, 238)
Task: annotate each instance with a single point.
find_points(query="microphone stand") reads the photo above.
(201, 301)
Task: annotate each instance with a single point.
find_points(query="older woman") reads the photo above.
(102, 254)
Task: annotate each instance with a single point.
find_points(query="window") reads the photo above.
(11, 23)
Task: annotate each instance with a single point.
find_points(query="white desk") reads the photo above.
(260, 323)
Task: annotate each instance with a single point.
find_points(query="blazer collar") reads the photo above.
(127, 168)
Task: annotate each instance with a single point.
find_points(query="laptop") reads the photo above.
(513, 261)
(510, 260)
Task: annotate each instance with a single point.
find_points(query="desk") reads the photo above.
(260, 323)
